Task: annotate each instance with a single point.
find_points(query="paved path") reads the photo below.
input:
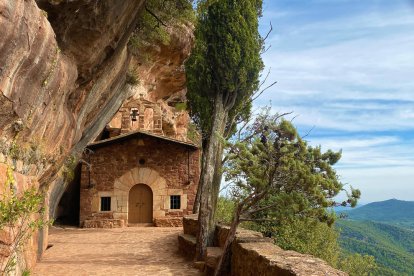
(124, 251)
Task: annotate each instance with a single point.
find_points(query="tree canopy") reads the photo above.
(286, 176)
(225, 60)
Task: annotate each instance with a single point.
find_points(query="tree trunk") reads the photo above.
(218, 174)
(196, 207)
(210, 167)
(224, 262)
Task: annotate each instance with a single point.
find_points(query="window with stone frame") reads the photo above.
(175, 202)
(105, 203)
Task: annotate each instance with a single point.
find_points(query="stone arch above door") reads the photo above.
(147, 176)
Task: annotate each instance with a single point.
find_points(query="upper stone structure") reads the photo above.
(154, 117)
(136, 115)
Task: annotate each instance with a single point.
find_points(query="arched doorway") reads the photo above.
(140, 204)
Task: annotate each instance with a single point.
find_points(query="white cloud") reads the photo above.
(322, 117)
(352, 76)
(320, 83)
(381, 183)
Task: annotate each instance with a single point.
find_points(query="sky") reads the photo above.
(345, 68)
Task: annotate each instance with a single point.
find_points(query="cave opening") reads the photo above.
(68, 209)
(105, 134)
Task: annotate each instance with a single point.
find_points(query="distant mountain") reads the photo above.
(392, 246)
(390, 211)
(341, 209)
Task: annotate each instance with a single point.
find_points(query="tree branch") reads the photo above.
(257, 220)
(261, 92)
(261, 209)
(268, 33)
(307, 134)
(155, 16)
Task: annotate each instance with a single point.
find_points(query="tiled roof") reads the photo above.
(137, 133)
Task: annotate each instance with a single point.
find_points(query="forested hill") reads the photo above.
(392, 246)
(390, 211)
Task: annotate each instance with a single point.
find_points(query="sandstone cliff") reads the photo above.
(63, 76)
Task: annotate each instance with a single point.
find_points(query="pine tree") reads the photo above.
(277, 175)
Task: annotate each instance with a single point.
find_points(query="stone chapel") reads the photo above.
(136, 174)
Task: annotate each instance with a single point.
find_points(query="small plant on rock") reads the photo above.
(132, 78)
(21, 214)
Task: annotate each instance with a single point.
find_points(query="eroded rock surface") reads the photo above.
(63, 68)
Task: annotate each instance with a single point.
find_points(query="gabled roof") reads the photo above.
(137, 133)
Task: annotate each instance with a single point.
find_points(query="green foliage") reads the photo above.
(14, 207)
(180, 106)
(225, 60)
(20, 215)
(52, 69)
(193, 134)
(154, 22)
(284, 187)
(68, 170)
(15, 151)
(392, 246)
(225, 210)
(132, 78)
(294, 179)
(309, 237)
(30, 153)
(358, 265)
(312, 237)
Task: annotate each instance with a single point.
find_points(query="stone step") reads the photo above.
(187, 244)
(213, 256)
(190, 223)
(103, 223)
(169, 222)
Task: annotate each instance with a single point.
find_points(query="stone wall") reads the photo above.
(253, 254)
(169, 168)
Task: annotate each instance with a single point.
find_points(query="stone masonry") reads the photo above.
(252, 254)
(115, 165)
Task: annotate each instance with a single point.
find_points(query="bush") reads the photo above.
(225, 210)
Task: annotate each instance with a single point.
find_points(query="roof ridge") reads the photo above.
(132, 133)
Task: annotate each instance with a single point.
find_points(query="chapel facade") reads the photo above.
(136, 174)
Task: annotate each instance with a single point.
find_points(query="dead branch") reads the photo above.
(267, 49)
(308, 132)
(268, 33)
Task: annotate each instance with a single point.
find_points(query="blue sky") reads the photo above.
(346, 69)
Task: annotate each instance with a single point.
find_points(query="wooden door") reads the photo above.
(140, 204)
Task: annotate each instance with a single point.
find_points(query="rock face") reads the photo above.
(43, 78)
(63, 67)
(161, 83)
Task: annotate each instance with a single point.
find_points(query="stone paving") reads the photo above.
(121, 251)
